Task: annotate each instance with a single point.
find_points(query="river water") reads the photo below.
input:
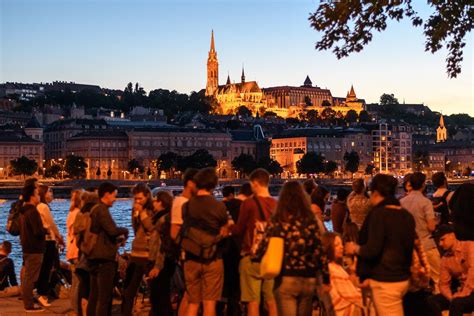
(60, 209)
(121, 212)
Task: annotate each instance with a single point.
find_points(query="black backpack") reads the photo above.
(440, 205)
(13, 221)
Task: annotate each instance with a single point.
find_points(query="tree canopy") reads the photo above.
(352, 161)
(201, 158)
(244, 164)
(386, 99)
(24, 166)
(75, 167)
(348, 26)
(311, 162)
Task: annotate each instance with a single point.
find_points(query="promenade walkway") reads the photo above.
(13, 306)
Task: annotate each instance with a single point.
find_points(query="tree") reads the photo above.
(272, 166)
(330, 167)
(269, 114)
(312, 116)
(369, 169)
(244, 164)
(52, 171)
(135, 167)
(326, 103)
(75, 167)
(307, 101)
(420, 160)
(328, 114)
(168, 162)
(349, 25)
(24, 166)
(351, 116)
(364, 116)
(386, 99)
(201, 158)
(352, 161)
(243, 111)
(311, 162)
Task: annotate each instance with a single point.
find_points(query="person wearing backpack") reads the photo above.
(250, 227)
(13, 221)
(142, 214)
(441, 197)
(102, 257)
(204, 221)
(33, 244)
(88, 201)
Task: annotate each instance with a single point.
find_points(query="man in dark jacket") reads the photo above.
(32, 237)
(102, 257)
(386, 246)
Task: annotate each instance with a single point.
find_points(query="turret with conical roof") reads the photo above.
(351, 95)
(242, 78)
(307, 82)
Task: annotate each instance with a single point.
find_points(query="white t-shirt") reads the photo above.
(177, 210)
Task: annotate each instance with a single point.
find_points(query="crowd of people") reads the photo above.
(385, 254)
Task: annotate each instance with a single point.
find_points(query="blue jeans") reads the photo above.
(294, 295)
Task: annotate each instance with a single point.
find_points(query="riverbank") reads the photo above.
(13, 306)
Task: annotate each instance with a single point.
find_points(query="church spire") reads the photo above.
(352, 93)
(213, 49)
(212, 69)
(441, 121)
(243, 74)
(228, 79)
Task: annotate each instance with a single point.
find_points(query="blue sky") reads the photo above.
(164, 44)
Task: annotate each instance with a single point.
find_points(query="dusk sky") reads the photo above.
(164, 44)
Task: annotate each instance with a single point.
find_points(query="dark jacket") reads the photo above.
(32, 233)
(462, 211)
(386, 243)
(104, 225)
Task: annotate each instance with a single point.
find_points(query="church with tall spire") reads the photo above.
(284, 101)
(441, 131)
(231, 95)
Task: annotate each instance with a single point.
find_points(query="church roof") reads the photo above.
(352, 92)
(245, 87)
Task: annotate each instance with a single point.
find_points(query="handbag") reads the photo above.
(272, 260)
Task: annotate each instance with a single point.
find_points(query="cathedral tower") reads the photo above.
(212, 70)
(441, 132)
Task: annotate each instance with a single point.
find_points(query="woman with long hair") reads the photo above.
(72, 252)
(319, 198)
(88, 201)
(53, 238)
(303, 257)
(345, 296)
(142, 214)
(163, 256)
